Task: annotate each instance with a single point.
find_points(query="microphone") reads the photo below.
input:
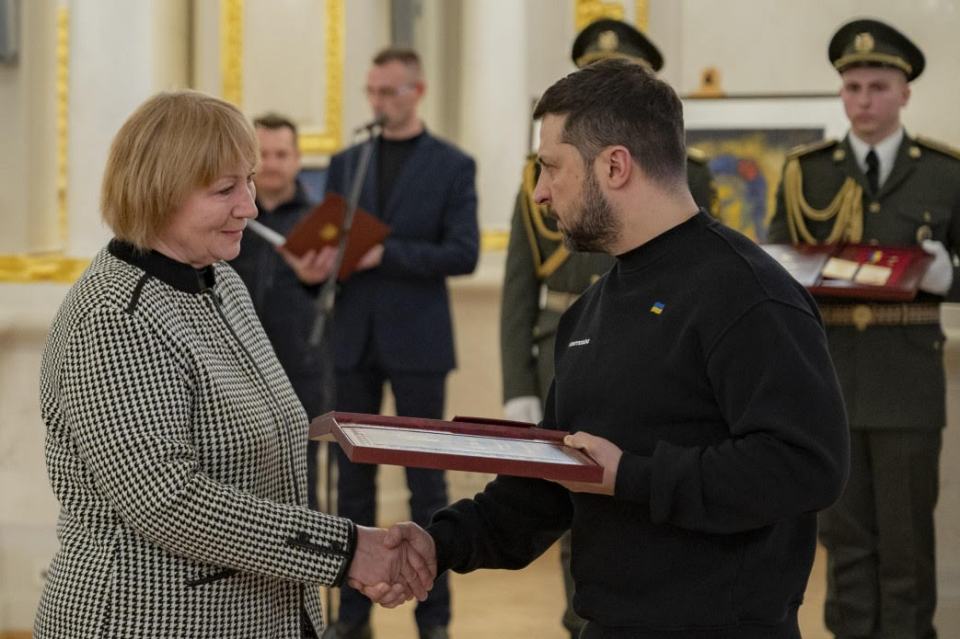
(375, 123)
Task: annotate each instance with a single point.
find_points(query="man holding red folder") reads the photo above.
(283, 286)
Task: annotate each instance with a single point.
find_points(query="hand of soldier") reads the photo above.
(312, 267)
(523, 409)
(939, 276)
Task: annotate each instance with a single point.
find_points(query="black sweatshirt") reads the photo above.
(707, 364)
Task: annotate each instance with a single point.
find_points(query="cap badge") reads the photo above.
(863, 43)
(608, 41)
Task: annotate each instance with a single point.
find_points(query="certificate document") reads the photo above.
(482, 446)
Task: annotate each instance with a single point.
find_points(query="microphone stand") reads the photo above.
(324, 308)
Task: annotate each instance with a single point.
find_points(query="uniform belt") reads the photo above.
(864, 315)
(558, 301)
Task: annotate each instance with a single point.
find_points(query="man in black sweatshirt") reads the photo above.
(695, 372)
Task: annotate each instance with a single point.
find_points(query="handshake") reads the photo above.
(393, 566)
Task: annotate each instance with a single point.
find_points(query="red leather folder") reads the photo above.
(323, 225)
(501, 447)
(907, 266)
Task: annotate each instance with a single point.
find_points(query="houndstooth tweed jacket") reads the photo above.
(177, 450)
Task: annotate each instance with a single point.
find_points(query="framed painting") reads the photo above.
(747, 138)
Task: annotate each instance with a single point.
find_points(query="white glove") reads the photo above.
(939, 276)
(523, 409)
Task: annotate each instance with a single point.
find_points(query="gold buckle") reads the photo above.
(862, 316)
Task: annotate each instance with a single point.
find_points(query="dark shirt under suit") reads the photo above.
(707, 364)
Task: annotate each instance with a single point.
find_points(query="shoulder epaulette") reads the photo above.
(806, 149)
(936, 145)
(696, 155)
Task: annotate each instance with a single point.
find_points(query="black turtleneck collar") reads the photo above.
(653, 249)
(180, 276)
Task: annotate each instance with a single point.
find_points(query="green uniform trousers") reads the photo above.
(881, 573)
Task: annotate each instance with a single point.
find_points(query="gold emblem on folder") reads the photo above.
(328, 232)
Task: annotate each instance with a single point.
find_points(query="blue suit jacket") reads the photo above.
(402, 306)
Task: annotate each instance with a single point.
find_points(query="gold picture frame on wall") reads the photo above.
(327, 139)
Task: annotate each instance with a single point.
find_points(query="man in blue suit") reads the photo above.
(393, 320)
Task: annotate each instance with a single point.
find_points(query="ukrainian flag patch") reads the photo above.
(657, 308)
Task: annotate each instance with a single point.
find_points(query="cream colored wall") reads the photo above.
(792, 55)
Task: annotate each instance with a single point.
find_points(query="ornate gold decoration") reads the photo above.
(874, 207)
(914, 152)
(839, 155)
(863, 43)
(53, 267)
(231, 50)
(23, 269)
(327, 141)
(642, 14)
(846, 208)
(587, 11)
(709, 84)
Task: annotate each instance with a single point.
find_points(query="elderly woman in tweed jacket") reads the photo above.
(175, 443)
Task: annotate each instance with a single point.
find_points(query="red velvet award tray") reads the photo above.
(907, 265)
(469, 444)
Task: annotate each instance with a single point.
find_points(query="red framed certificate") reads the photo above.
(470, 444)
(862, 271)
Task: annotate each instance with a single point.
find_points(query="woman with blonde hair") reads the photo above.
(175, 443)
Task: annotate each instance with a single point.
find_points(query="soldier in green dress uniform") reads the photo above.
(881, 185)
(543, 278)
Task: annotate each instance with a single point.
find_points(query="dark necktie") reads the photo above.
(873, 171)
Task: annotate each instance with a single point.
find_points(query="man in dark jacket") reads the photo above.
(695, 372)
(277, 281)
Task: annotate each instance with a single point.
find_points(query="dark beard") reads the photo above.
(596, 228)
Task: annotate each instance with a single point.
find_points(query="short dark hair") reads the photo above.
(617, 102)
(404, 55)
(274, 121)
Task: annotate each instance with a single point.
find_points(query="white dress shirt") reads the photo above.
(886, 151)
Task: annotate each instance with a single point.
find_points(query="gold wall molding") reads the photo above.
(231, 50)
(494, 240)
(587, 11)
(63, 122)
(26, 269)
(328, 139)
(53, 267)
(642, 14)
